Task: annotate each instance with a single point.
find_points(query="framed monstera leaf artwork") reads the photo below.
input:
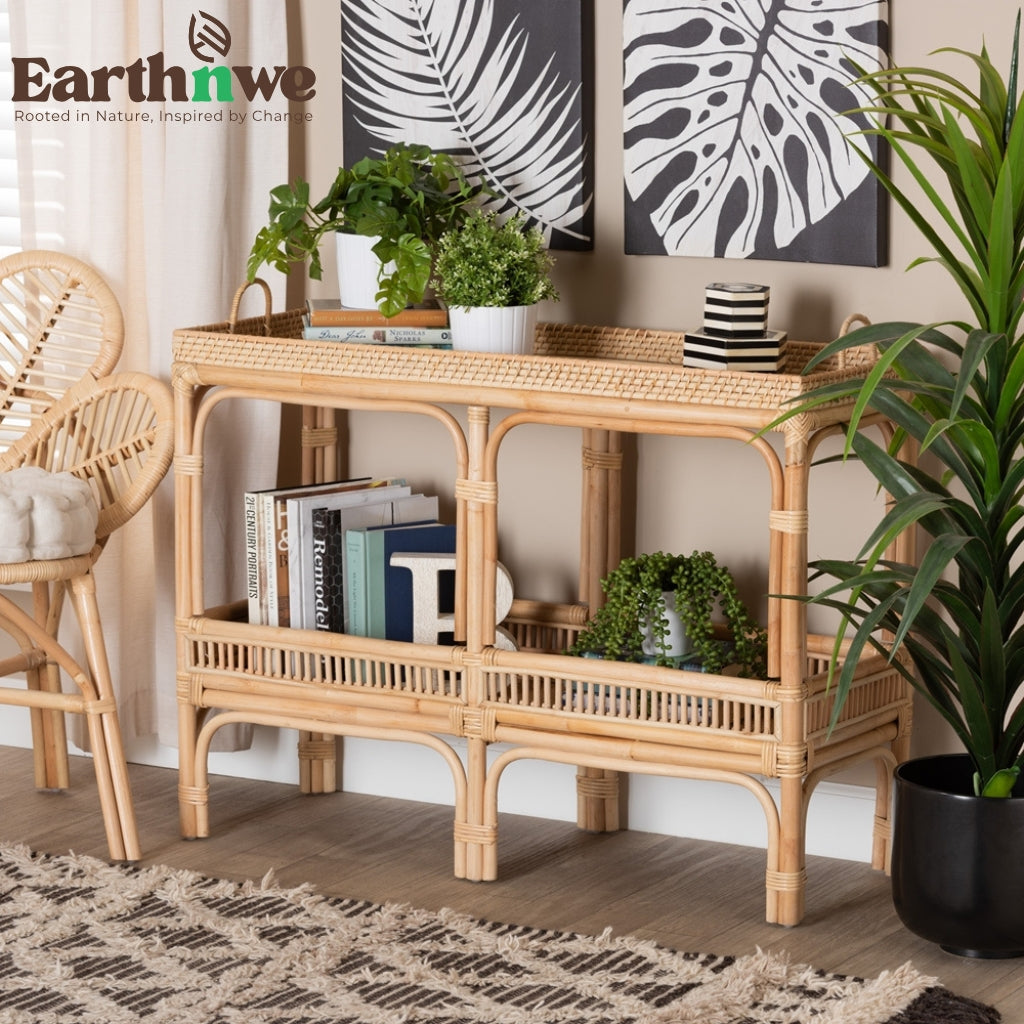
(504, 86)
(739, 133)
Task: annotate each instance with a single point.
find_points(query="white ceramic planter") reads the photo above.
(358, 270)
(677, 643)
(504, 329)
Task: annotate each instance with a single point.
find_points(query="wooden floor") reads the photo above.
(689, 895)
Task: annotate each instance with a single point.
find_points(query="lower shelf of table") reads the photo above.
(319, 679)
(605, 717)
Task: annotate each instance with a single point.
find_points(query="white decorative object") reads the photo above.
(505, 329)
(45, 515)
(358, 270)
(676, 643)
(428, 620)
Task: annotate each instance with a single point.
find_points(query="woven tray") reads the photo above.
(626, 364)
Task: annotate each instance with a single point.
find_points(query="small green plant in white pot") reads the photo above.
(634, 623)
(491, 273)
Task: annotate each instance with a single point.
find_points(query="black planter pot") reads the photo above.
(958, 859)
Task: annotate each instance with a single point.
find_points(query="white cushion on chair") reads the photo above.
(45, 515)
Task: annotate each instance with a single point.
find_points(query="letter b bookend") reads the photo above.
(429, 621)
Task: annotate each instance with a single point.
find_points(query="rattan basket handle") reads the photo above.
(233, 319)
(853, 318)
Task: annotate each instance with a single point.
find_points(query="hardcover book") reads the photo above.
(281, 541)
(379, 335)
(330, 313)
(325, 608)
(327, 570)
(262, 541)
(299, 512)
(379, 595)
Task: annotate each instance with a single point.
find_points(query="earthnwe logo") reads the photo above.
(151, 80)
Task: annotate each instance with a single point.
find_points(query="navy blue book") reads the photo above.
(389, 588)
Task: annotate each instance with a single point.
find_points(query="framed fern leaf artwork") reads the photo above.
(739, 136)
(504, 86)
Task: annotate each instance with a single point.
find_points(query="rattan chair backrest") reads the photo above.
(116, 433)
(59, 322)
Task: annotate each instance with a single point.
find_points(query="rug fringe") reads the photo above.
(95, 943)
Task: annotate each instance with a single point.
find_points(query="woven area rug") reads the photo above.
(83, 941)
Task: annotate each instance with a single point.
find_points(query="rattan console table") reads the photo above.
(604, 717)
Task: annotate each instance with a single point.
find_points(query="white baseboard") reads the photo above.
(839, 822)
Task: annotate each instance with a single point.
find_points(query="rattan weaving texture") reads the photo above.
(626, 364)
(597, 715)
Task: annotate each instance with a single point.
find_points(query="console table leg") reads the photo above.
(597, 800)
(318, 763)
(786, 887)
(319, 463)
(476, 838)
(881, 846)
(597, 789)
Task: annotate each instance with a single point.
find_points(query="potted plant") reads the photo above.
(643, 593)
(955, 390)
(491, 273)
(396, 205)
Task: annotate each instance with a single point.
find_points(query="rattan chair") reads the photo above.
(117, 434)
(59, 322)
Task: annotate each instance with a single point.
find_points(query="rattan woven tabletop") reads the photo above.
(631, 365)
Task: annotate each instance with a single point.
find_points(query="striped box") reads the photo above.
(704, 351)
(736, 310)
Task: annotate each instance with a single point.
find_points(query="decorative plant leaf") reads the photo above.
(210, 33)
(443, 73)
(735, 132)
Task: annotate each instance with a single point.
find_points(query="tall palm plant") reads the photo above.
(956, 389)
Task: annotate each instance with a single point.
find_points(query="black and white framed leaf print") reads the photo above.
(504, 86)
(737, 137)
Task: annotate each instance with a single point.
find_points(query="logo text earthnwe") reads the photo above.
(148, 81)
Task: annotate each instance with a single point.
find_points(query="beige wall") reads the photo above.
(692, 494)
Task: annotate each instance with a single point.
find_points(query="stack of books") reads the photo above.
(419, 326)
(319, 556)
(378, 596)
(735, 334)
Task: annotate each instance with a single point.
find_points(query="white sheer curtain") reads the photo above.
(166, 211)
